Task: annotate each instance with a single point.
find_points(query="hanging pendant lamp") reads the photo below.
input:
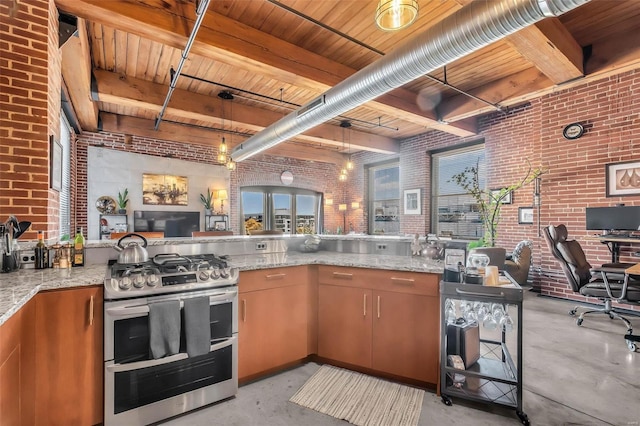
(393, 15)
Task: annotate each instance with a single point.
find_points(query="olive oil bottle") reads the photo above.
(78, 248)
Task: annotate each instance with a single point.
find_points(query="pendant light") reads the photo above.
(347, 125)
(222, 149)
(393, 15)
(344, 171)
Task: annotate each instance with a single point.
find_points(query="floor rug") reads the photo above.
(360, 399)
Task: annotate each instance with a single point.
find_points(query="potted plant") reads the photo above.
(123, 200)
(207, 202)
(489, 202)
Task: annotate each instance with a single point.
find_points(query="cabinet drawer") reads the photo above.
(272, 278)
(397, 281)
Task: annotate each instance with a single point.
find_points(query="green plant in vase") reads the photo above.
(207, 202)
(123, 200)
(489, 202)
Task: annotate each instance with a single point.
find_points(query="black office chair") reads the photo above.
(608, 283)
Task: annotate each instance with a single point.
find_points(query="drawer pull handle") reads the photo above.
(364, 306)
(378, 307)
(276, 276)
(244, 310)
(408, 281)
(91, 311)
(343, 275)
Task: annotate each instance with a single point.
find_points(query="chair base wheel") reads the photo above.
(579, 321)
(523, 418)
(573, 312)
(631, 345)
(446, 400)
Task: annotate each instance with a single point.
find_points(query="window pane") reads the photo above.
(65, 191)
(282, 207)
(305, 214)
(455, 212)
(253, 210)
(384, 208)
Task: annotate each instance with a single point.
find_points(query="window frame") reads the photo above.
(371, 200)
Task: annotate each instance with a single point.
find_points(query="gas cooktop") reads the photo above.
(168, 273)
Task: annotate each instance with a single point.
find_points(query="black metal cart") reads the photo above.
(496, 376)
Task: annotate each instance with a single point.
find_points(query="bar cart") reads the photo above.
(484, 325)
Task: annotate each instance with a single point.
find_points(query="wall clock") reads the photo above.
(573, 131)
(286, 177)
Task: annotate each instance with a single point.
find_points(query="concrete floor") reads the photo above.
(572, 376)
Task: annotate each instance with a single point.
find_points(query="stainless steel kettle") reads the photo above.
(133, 253)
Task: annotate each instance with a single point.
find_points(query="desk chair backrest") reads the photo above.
(570, 255)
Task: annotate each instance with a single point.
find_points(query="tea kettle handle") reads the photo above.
(144, 240)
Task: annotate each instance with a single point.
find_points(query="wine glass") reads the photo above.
(506, 322)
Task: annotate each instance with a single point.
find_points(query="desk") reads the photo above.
(614, 243)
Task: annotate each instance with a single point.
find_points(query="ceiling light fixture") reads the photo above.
(347, 125)
(392, 15)
(222, 149)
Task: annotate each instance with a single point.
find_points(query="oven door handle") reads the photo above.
(144, 309)
(117, 368)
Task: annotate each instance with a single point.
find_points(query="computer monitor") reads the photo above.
(622, 218)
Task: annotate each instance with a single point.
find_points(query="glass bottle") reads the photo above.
(78, 248)
(42, 253)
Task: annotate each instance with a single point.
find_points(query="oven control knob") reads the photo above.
(224, 273)
(152, 280)
(138, 282)
(215, 273)
(203, 275)
(125, 283)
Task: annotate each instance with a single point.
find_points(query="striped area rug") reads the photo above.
(360, 399)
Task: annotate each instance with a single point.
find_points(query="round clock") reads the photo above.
(573, 131)
(286, 177)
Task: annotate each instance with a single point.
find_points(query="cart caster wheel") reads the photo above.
(572, 312)
(579, 321)
(523, 418)
(446, 400)
(631, 345)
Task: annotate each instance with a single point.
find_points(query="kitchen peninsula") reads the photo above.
(304, 298)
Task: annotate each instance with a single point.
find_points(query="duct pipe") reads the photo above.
(469, 29)
(201, 9)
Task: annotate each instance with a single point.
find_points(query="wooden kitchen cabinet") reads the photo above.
(273, 319)
(344, 324)
(383, 320)
(69, 364)
(17, 367)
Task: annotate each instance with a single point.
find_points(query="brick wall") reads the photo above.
(29, 64)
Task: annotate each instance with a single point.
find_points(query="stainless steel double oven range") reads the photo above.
(140, 389)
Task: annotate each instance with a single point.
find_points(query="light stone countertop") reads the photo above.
(17, 288)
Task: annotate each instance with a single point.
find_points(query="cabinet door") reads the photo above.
(17, 364)
(272, 328)
(405, 335)
(69, 361)
(344, 324)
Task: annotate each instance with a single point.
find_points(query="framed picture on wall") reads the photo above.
(525, 215)
(623, 178)
(164, 189)
(412, 201)
(55, 163)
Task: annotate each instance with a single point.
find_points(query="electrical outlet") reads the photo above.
(261, 246)
(381, 246)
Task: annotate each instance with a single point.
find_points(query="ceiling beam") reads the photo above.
(231, 42)
(136, 93)
(551, 48)
(76, 72)
(174, 132)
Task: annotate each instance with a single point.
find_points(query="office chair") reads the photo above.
(608, 283)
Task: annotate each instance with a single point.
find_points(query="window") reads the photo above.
(455, 213)
(65, 191)
(384, 198)
(291, 210)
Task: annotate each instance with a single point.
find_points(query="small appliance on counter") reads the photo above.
(10, 231)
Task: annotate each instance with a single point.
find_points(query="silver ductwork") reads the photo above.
(469, 29)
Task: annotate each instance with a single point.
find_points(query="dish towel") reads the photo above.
(164, 328)
(197, 325)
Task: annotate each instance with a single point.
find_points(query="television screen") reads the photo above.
(624, 218)
(173, 224)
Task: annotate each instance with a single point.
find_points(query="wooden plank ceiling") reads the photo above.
(275, 55)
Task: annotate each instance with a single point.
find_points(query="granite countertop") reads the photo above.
(17, 288)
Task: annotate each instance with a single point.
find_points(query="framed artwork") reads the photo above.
(623, 179)
(166, 190)
(525, 215)
(412, 201)
(55, 163)
(220, 225)
(495, 193)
